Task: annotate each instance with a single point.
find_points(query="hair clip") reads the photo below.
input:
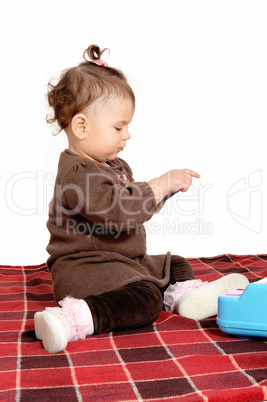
(100, 62)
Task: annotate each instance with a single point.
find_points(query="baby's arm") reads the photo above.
(171, 182)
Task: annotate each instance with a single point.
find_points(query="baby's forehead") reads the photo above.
(120, 106)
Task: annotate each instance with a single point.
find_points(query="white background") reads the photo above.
(198, 69)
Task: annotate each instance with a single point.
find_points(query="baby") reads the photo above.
(103, 279)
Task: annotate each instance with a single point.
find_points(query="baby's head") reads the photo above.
(86, 88)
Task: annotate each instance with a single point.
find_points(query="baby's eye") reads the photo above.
(118, 128)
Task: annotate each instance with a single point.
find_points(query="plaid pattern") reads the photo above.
(174, 359)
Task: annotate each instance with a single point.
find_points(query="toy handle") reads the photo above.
(167, 197)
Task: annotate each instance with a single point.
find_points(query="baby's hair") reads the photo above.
(80, 87)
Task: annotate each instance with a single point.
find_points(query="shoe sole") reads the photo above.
(49, 330)
(202, 302)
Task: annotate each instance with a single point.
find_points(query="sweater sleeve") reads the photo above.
(96, 193)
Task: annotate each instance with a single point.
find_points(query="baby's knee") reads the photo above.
(153, 301)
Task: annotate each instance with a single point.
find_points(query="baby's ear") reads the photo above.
(79, 125)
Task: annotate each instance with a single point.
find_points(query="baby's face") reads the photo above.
(107, 131)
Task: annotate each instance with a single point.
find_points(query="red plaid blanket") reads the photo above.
(174, 359)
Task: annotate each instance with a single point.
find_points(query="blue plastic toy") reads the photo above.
(244, 312)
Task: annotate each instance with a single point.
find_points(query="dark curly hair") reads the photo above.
(79, 87)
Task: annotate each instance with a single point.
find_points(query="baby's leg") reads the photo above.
(133, 306)
(181, 270)
(136, 305)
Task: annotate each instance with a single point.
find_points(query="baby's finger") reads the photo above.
(192, 173)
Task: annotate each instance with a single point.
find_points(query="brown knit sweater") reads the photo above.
(98, 241)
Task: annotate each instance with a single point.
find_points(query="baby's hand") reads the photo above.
(171, 182)
(181, 179)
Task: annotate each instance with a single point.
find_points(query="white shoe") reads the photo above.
(55, 328)
(202, 302)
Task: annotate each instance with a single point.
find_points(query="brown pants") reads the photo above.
(136, 305)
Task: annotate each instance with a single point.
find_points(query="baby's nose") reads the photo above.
(126, 135)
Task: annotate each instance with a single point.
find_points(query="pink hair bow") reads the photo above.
(100, 62)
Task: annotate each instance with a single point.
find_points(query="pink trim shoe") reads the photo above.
(56, 326)
(202, 302)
